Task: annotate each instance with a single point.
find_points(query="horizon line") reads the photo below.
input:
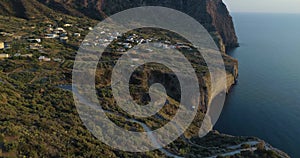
(262, 12)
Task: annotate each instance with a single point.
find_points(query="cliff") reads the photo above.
(40, 120)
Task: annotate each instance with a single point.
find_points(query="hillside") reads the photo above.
(38, 116)
(212, 14)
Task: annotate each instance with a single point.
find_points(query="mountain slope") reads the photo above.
(212, 14)
(40, 120)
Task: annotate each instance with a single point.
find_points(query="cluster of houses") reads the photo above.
(24, 55)
(35, 43)
(51, 32)
(41, 58)
(46, 59)
(6, 56)
(59, 33)
(106, 37)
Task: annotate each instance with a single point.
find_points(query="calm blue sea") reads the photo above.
(266, 101)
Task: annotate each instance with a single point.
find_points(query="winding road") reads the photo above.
(145, 127)
(236, 149)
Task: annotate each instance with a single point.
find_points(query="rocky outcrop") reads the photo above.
(222, 22)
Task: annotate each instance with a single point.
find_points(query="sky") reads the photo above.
(268, 6)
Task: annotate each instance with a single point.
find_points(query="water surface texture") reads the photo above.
(266, 101)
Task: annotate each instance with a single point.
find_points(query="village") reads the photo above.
(35, 48)
(34, 45)
(107, 36)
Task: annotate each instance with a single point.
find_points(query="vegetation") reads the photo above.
(39, 119)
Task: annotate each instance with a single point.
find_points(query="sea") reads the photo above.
(265, 103)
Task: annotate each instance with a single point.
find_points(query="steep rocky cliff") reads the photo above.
(212, 14)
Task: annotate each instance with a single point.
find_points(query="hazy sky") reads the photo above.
(269, 6)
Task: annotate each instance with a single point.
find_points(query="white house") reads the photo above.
(141, 41)
(47, 59)
(64, 39)
(167, 42)
(68, 25)
(76, 34)
(86, 44)
(3, 56)
(43, 58)
(183, 47)
(172, 47)
(35, 46)
(1, 45)
(49, 36)
(127, 45)
(17, 54)
(27, 55)
(130, 39)
(166, 46)
(35, 40)
(60, 29)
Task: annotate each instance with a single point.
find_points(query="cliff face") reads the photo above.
(222, 22)
(212, 14)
